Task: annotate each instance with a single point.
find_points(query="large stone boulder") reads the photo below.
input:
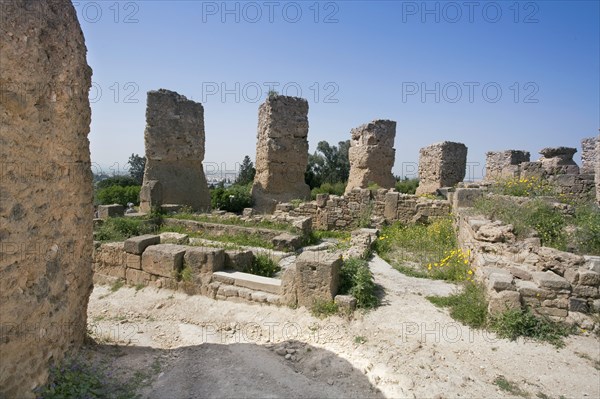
(174, 140)
(371, 155)
(281, 152)
(45, 190)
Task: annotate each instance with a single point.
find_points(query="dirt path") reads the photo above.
(405, 348)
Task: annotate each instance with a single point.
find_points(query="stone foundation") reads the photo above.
(504, 164)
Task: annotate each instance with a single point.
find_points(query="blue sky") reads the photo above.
(493, 75)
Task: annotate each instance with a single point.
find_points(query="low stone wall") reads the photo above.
(553, 283)
(331, 212)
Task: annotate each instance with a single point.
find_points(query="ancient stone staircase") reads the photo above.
(237, 286)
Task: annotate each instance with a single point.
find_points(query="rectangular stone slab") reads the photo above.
(137, 245)
(163, 259)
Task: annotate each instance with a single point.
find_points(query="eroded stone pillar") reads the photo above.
(558, 160)
(372, 155)
(504, 164)
(597, 175)
(174, 140)
(281, 152)
(46, 206)
(441, 165)
(589, 155)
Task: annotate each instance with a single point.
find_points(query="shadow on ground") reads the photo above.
(236, 370)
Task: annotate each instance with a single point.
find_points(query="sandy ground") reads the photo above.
(406, 348)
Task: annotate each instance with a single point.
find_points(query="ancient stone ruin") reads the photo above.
(597, 174)
(46, 189)
(504, 164)
(441, 165)
(372, 155)
(558, 160)
(281, 152)
(589, 155)
(174, 140)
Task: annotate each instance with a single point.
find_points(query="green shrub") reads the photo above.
(263, 265)
(469, 306)
(407, 186)
(523, 187)
(122, 181)
(357, 280)
(119, 195)
(119, 229)
(232, 199)
(329, 188)
(514, 323)
(587, 233)
(321, 308)
(549, 224)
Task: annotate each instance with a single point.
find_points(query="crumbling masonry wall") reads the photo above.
(281, 152)
(45, 191)
(441, 165)
(504, 164)
(174, 140)
(371, 155)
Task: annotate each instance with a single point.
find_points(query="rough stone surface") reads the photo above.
(558, 160)
(597, 174)
(45, 190)
(371, 155)
(589, 155)
(239, 260)
(110, 211)
(287, 242)
(504, 164)
(345, 302)
(174, 238)
(163, 259)
(317, 277)
(441, 165)
(499, 302)
(550, 281)
(465, 197)
(137, 245)
(281, 152)
(204, 259)
(174, 140)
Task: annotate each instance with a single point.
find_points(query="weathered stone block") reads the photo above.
(109, 260)
(588, 277)
(441, 165)
(372, 155)
(589, 155)
(137, 245)
(555, 312)
(558, 160)
(499, 302)
(317, 276)
(532, 290)
(204, 259)
(504, 164)
(345, 302)
(138, 277)
(521, 272)
(500, 282)
(287, 242)
(110, 211)
(466, 197)
(163, 259)
(550, 281)
(133, 261)
(174, 238)
(238, 259)
(578, 305)
(585, 291)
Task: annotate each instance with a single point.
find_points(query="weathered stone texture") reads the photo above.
(371, 155)
(558, 160)
(504, 164)
(45, 190)
(597, 174)
(318, 277)
(174, 140)
(281, 152)
(589, 154)
(441, 165)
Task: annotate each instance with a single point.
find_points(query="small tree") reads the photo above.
(137, 165)
(247, 172)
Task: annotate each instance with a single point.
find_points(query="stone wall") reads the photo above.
(281, 152)
(371, 155)
(552, 283)
(441, 165)
(589, 154)
(504, 164)
(363, 206)
(45, 189)
(558, 160)
(174, 140)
